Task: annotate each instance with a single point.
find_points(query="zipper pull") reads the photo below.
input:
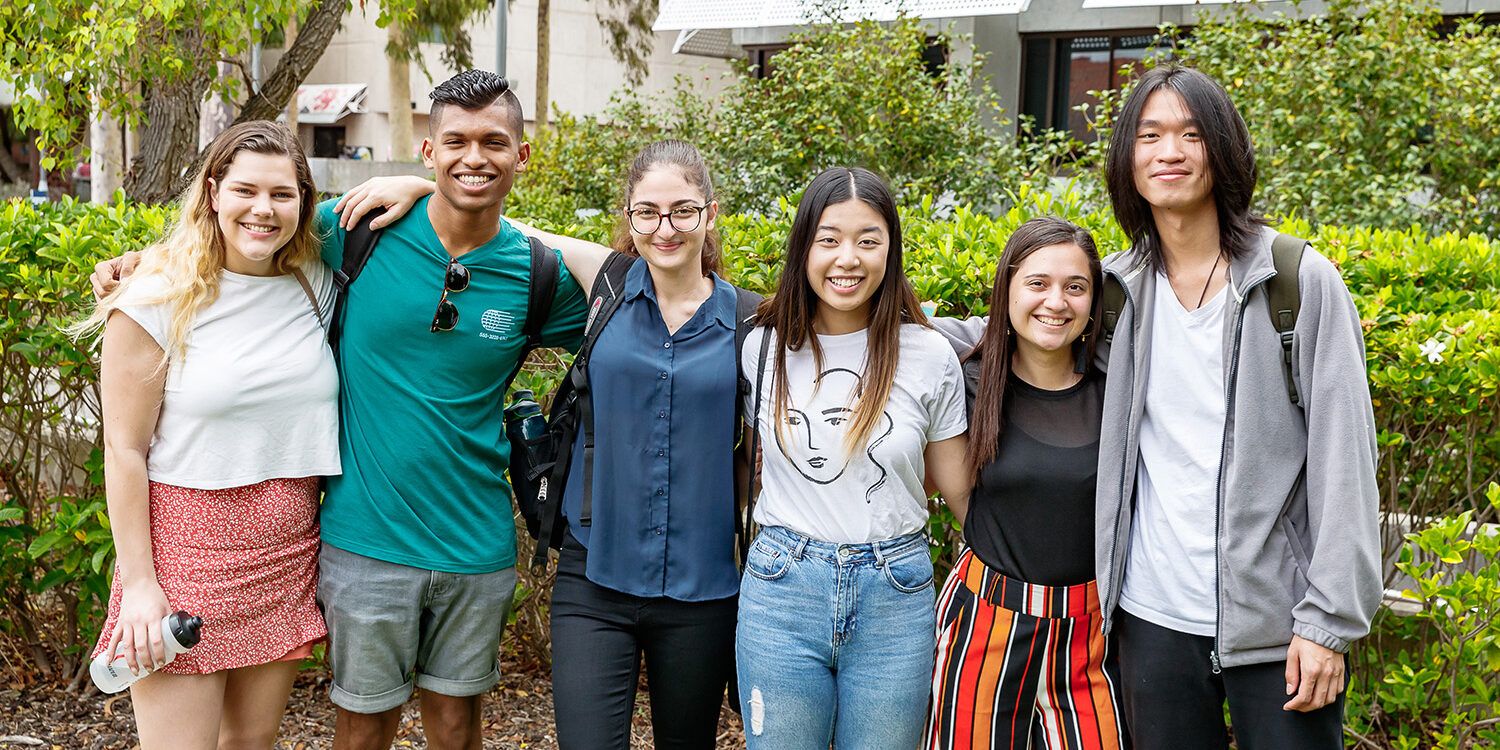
(1213, 660)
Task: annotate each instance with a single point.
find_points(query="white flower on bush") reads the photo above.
(1433, 350)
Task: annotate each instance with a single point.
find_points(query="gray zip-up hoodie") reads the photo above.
(1298, 539)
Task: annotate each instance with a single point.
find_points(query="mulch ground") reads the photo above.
(517, 715)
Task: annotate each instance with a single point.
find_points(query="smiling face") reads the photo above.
(1170, 163)
(846, 265)
(1051, 293)
(257, 206)
(475, 155)
(664, 189)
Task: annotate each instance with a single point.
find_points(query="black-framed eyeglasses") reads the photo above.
(684, 218)
(455, 280)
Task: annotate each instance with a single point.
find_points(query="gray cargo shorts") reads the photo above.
(393, 627)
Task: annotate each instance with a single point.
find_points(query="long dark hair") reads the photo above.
(1226, 144)
(790, 311)
(998, 345)
(683, 156)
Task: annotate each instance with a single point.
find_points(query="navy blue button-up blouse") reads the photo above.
(664, 432)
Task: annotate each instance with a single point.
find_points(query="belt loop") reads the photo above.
(879, 549)
(800, 548)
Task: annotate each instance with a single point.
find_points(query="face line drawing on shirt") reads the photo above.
(813, 441)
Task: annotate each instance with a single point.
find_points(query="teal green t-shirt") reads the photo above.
(421, 434)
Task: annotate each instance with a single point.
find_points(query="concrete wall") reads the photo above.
(339, 175)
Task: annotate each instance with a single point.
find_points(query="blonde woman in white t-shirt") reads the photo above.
(858, 402)
(220, 413)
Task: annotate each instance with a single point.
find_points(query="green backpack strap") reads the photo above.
(1284, 300)
(1114, 302)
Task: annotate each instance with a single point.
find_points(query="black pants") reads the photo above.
(1174, 701)
(598, 637)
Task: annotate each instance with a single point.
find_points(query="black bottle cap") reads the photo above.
(185, 628)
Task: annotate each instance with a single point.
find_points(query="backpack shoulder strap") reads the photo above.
(1284, 300)
(359, 244)
(1114, 302)
(541, 287)
(746, 303)
(604, 299)
(743, 524)
(540, 291)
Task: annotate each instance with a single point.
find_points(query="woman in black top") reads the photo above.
(1021, 660)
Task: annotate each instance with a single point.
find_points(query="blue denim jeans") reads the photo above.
(835, 643)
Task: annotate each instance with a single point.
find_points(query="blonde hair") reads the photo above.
(188, 261)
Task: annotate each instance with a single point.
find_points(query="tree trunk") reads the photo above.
(10, 171)
(399, 113)
(291, 108)
(293, 67)
(152, 177)
(543, 59)
(107, 155)
(169, 141)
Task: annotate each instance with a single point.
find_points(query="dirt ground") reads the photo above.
(517, 716)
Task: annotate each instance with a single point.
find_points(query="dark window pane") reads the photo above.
(1088, 70)
(328, 141)
(1034, 86)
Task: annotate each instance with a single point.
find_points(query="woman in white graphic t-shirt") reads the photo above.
(857, 402)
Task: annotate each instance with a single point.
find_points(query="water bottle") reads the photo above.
(179, 632)
(526, 428)
(524, 424)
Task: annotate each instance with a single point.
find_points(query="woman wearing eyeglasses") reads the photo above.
(650, 568)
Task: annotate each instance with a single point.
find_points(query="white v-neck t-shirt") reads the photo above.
(1170, 575)
(810, 483)
(255, 397)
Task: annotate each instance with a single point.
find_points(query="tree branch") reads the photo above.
(293, 67)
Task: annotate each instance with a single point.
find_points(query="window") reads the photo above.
(328, 141)
(1059, 71)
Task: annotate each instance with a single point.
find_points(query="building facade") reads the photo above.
(583, 75)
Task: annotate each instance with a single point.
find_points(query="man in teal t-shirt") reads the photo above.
(418, 562)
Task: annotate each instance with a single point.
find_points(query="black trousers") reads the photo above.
(1174, 701)
(598, 638)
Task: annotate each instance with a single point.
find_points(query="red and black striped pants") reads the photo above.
(1021, 665)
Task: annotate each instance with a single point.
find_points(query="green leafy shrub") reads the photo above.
(1433, 679)
(55, 547)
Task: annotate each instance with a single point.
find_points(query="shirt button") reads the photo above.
(667, 345)
(661, 415)
(658, 532)
(663, 376)
(661, 453)
(660, 491)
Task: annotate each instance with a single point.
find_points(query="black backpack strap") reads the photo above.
(746, 303)
(1114, 302)
(541, 287)
(359, 244)
(1284, 300)
(744, 525)
(608, 293)
(540, 292)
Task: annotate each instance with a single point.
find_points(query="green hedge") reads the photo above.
(1430, 304)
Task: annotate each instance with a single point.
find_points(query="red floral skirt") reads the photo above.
(245, 559)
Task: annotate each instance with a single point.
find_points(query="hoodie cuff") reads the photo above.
(1320, 636)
